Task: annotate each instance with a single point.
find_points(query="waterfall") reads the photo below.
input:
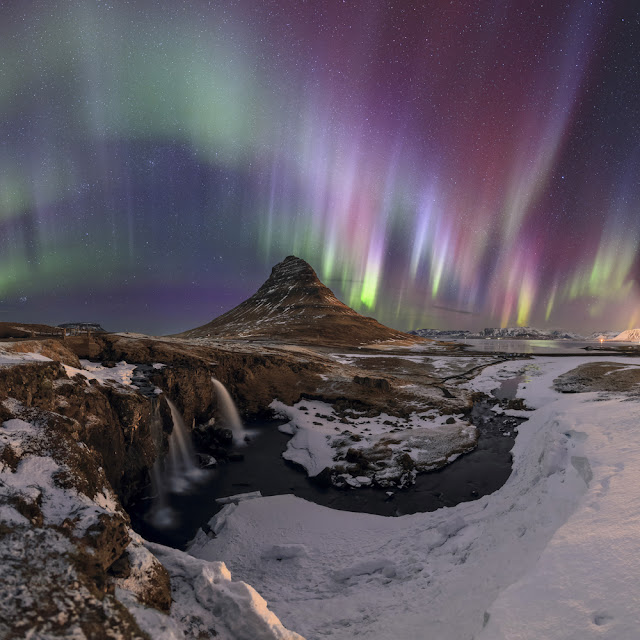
(180, 472)
(229, 412)
(161, 515)
(183, 468)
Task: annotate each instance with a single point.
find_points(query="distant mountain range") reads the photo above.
(293, 306)
(524, 333)
(631, 335)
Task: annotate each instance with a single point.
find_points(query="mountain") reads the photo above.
(442, 334)
(528, 333)
(630, 335)
(294, 306)
(596, 336)
(511, 333)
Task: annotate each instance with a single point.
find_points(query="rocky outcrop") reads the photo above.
(112, 421)
(253, 376)
(382, 384)
(61, 529)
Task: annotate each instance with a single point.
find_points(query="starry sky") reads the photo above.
(440, 163)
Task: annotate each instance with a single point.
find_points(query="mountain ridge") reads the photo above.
(516, 333)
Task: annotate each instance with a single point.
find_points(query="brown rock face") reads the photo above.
(294, 306)
(108, 538)
(114, 424)
(254, 376)
(54, 561)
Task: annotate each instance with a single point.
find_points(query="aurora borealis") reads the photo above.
(440, 164)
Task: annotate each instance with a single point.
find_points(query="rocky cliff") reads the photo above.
(70, 449)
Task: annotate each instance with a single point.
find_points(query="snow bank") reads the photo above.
(586, 581)
(553, 554)
(207, 602)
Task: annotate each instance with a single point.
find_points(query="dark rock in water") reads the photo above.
(211, 438)
(322, 479)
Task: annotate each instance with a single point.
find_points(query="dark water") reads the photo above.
(548, 347)
(475, 474)
(508, 389)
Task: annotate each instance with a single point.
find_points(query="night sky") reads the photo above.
(440, 164)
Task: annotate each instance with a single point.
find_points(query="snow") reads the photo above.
(206, 601)
(10, 358)
(121, 373)
(554, 553)
(310, 446)
(34, 480)
(322, 439)
(239, 497)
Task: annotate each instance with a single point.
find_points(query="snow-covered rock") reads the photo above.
(359, 450)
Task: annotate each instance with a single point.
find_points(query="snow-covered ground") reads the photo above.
(553, 554)
(10, 358)
(439, 367)
(121, 373)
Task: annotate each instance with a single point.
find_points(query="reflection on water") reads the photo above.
(538, 346)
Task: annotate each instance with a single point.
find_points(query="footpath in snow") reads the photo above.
(555, 553)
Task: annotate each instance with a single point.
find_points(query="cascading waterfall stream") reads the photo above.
(179, 474)
(183, 467)
(162, 516)
(229, 412)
